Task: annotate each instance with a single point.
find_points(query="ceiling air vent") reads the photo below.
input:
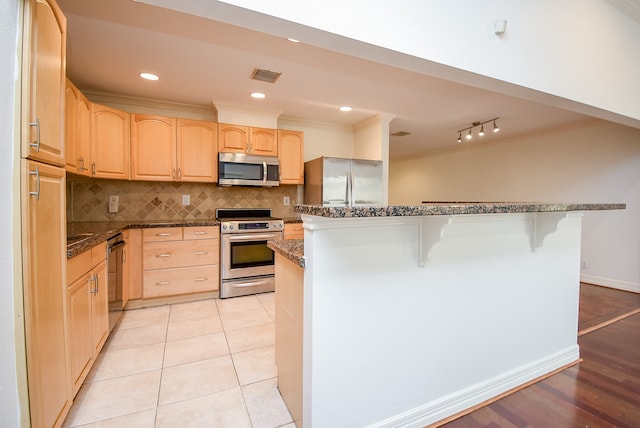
(400, 134)
(265, 75)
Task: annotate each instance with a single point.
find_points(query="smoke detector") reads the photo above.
(265, 75)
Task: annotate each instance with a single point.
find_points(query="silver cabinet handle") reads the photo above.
(174, 173)
(264, 171)
(81, 164)
(97, 279)
(163, 234)
(199, 233)
(93, 168)
(37, 192)
(164, 255)
(200, 279)
(94, 287)
(200, 253)
(179, 173)
(36, 145)
(163, 283)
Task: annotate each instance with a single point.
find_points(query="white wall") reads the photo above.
(322, 139)
(594, 162)
(10, 316)
(547, 43)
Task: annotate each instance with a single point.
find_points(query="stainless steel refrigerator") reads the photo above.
(343, 182)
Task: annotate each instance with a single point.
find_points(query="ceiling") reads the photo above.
(203, 62)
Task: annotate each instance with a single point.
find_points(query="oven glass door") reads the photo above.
(246, 255)
(250, 254)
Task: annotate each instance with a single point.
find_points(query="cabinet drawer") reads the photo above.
(163, 255)
(98, 254)
(167, 282)
(201, 232)
(78, 266)
(293, 231)
(162, 234)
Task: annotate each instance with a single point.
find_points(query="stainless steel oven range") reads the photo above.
(247, 265)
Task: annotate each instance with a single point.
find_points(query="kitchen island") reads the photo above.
(404, 316)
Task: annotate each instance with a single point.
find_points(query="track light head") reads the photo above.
(496, 128)
(481, 133)
(469, 136)
(459, 137)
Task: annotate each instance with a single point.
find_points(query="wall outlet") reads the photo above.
(286, 200)
(186, 199)
(114, 203)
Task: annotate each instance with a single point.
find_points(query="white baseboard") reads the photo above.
(611, 283)
(475, 394)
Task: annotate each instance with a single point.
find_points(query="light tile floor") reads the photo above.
(209, 363)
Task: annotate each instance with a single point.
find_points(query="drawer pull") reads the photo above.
(200, 233)
(163, 283)
(200, 253)
(201, 279)
(163, 234)
(164, 255)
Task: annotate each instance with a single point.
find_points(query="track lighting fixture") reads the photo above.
(469, 136)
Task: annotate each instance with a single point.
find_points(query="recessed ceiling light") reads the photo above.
(258, 95)
(149, 76)
(345, 108)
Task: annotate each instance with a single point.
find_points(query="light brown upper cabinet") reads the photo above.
(153, 148)
(43, 76)
(77, 131)
(170, 149)
(291, 155)
(247, 140)
(109, 142)
(197, 150)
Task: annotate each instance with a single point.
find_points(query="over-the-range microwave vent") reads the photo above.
(265, 75)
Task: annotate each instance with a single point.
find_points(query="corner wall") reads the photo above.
(593, 162)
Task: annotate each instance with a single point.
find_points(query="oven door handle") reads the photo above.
(239, 284)
(252, 237)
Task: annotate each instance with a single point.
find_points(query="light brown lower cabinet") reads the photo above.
(87, 310)
(180, 260)
(293, 231)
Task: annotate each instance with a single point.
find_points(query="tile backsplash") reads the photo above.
(87, 199)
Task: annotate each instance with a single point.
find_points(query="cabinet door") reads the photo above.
(80, 329)
(134, 264)
(233, 138)
(153, 148)
(77, 130)
(263, 141)
(99, 307)
(109, 142)
(83, 134)
(291, 155)
(71, 95)
(293, 231)
(43, 82)
(197, 151)
(44, 261)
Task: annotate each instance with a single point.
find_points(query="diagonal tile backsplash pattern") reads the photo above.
(87, 199)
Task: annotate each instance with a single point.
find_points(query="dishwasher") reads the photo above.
(115, 271)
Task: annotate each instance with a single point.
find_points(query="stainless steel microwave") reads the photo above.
(245, 170)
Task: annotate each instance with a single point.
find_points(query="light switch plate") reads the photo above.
(186, 199)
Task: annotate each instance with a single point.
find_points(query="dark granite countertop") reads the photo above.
(82, 236)
(449, 208)
(292, 249)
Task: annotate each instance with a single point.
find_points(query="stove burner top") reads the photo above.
(238, 214)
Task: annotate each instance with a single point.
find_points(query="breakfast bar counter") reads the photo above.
(407, 315)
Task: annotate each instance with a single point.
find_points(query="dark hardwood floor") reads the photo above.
(602, 391)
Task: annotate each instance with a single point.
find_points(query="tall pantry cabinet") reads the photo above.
(43, 211)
